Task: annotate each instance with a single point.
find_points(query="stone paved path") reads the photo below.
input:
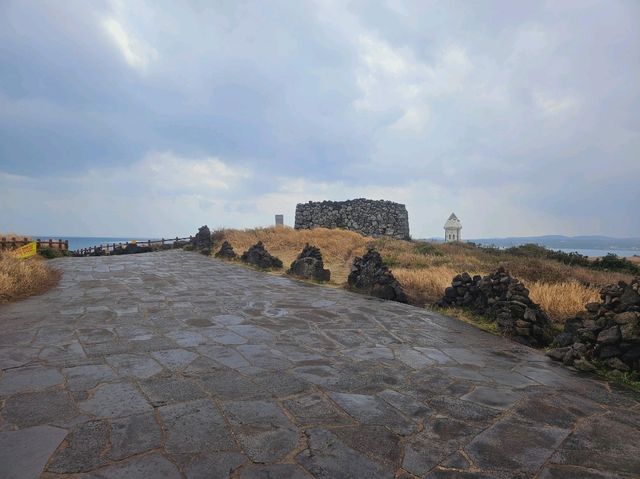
(169, 365)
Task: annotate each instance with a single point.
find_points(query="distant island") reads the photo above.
(590, 245)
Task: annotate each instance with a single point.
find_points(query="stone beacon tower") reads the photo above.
(452, 229)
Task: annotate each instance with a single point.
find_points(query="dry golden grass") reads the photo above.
(426, 269)
(339, 247)
(425, 285)
(14, 235)
(20, 278)
(562, 300)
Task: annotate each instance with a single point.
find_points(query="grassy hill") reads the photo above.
(426, 269)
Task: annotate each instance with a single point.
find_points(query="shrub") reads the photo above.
(612, 262)
(427, 249)
(51, 253)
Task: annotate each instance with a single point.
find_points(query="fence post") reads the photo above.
(60, 243)
(50, 243)
(25, 240)
(66, 245)
(4, 242)
(38, 244)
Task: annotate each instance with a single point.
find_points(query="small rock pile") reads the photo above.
(226, 251)
(202, 240)
(258, 256)
(607, 333)
(309, 265)
(131, 248)
(371, 275)
(505, 299)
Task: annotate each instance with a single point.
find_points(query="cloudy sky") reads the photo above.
(153, 118)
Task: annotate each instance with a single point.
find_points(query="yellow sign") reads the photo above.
(26, 251)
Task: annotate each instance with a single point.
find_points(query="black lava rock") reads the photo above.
(309, 265)
(607, 333)
(369, 274)
(258, 256)
(226, 251)
(202, 240)
(504, 299)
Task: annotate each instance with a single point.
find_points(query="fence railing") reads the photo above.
(13, 243)
(110, 248)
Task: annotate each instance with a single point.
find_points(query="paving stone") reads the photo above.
(373, 411)
(273, 471)
(228, 319)
(163, 390)
(115, 400)
(195, 426)
(602, 443)
(98, 350)
(24, 453)
(314, 409)
(174, 359)
(329, 458)
(83, 449)
(264, 431)
(508, 378)
(321, 375)
(81, 378)
(224, 355)
(406, 404)
(554, 471)
(373, 441)
(224, 336)
(457, 460)
(263, 356)
(453, 474)
(413, 358)
(441, 437)
(528, 446)
(188, 339)
(29, 378)
(32, 409)
(281, 384)
(133, 435)
(64, 355)
(492, 397)
(13, 357)
(138, 366)
(253, 338)
(545, 411)
(95, 335)
(151, 466)
(464, 410)
(215, 465)
(230, 384)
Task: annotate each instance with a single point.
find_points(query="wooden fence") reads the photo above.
(13, 243)
(109, 248)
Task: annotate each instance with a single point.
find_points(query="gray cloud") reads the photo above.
(520, 116)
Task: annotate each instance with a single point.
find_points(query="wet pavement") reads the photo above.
(171, 365)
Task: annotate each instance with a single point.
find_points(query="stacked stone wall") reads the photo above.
(368, 217)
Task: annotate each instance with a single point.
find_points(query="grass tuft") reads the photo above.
(20, 278)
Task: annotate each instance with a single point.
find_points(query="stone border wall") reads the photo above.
(368, 217)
